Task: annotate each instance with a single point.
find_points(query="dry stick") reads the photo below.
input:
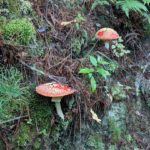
(104, 55)
(52, 77)
(17, 118)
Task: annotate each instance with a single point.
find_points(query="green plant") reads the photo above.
(19, 31)
(78, 19)
(133, 5)
(25, 7)
(79, 41)
(2, 22)
(127, 6)
(112, 147)
(76, 44)
(13, 93)
(128, 138)
(98, 66)
(118, 48)
(95, 142)
(118, 91)
(15, 8)
(12, 7)
(23, 136)
(36, 49)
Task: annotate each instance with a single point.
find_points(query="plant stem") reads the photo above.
(57, 101)
(89, 52)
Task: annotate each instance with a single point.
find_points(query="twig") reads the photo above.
(52, 77)
(17, 118)
(104, 55)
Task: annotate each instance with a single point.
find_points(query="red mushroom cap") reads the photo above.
(107, 34)
(54, 89)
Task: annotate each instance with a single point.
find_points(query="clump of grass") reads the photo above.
(19, 31)
(13, 94)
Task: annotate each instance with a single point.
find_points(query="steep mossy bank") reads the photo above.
(44, 41)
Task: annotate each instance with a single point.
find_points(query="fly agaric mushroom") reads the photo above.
(106, 35)
(56, 91)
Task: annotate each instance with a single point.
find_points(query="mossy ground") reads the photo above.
(18, 31)
(39, 50)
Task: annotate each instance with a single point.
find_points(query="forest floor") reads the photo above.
(110, 110)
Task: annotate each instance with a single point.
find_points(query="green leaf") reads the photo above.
(93, 84)
(101, 61)
(146, 2)
(104, 73)
(113, 46)
(93, 61)
(86, 70)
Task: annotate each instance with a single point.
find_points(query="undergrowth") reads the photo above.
(127, 6)
(52, 59)
(13, 94)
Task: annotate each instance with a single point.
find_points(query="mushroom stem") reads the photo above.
(107, 45)
(57, 101)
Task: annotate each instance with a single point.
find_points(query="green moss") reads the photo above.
(23, 136)
(118, 91)
(19, 31)
(37, 144)
(41, 112)
(94, 142)
(2, 22)
(114, 130)
(15, 8)
(11, 6)
(112, 147)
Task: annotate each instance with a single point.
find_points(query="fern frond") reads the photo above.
(132, 5)
(99, 2)
(147, 16)
(146, 2)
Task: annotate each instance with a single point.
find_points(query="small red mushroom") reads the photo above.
(56, 91)
(106, 35)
